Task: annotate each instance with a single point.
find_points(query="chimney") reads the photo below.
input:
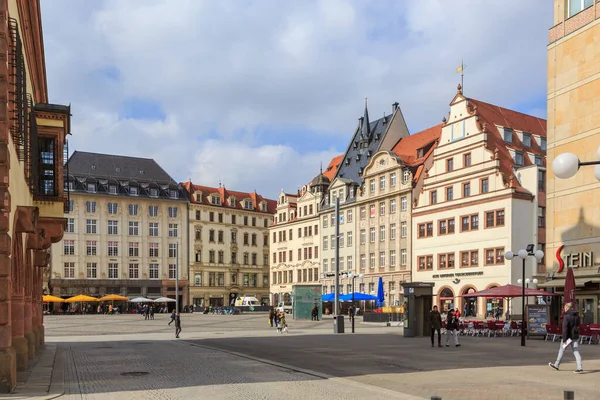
(395, 106)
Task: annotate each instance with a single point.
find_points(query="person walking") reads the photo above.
(435, 320)
(570, 337)
(315, 313)
(271, 317)
(172, 318)
(177, 325)
(452, 327)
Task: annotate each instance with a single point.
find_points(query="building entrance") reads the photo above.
(588, 309)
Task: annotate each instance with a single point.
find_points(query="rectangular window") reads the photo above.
(485, 185)
(469, 223)
(113, 208)
(372, 235)
(403, 257)
(133, 190)
(153, 250)
(325, 242)
(325, 219)
(348, 218)
(133, 228)
(382, 208)
(133, 209)
(172, 271)
(340, 240)
(90, 206)
(112, 189)
(494, 218)
(113, 249)
(442, 227)
(449, 193)
(113, 271)
(173, 250)
(450, 165)
(494, 256)
(576, 6)
(71, 225)
(153, 229)
(538, 161)
(134, 271)
(363, 213)
(134, 249)
(90, 248)
(392, 206)
(372, 185)
(469, 258)
(363, 261)
(467, 160)
(372, 260)
(349, 264)
(113, 227)
(392, 231)
(372, 211)
(69, 270)
(466, 189)
(382, 233)
(382, 183)
(507, 132)
(381, 259)
(403, 229)
(403, 203)
(153, 271)
(173, 231)
(519, 158)
(393, 179)
(543, 140)
(541, 181)
(90, 226)
(526, 140)
(173, 212)
(91, 270)
(405, 175)
(541, 217)
(152, 211)
(363, 236)
(433, 197)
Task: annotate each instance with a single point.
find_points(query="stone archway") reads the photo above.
(469, 305)
(493, 305)
(445, 299)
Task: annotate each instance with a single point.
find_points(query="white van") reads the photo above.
(284, 307)
(246, 301)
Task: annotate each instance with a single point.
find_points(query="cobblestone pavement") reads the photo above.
(231, 357)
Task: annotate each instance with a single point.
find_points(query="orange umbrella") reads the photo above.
(81, 298)
(113, 297)
(52, 299)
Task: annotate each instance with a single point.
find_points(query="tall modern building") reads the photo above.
(33, 139)
(126, 230)
(228, 245)
(368, 139)
(573, 233)
(482, 195)
(295, 243)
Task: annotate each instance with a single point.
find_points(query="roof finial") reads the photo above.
(321, 167)
(459, 87)
(219, 184)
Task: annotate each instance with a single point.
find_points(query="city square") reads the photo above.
(240, 356)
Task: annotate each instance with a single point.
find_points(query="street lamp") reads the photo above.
(527, 282)
(353, 277)
(523, 254)
(566, 165)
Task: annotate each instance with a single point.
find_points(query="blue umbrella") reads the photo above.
(358, 297)
(328, 297)
(380, 294)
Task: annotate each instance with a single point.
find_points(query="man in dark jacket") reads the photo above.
(570, 337)
(435, 320)
(177, 325)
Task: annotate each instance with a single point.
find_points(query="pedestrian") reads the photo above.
(271, 317)
(278, 322)
(172, 318)
(151, 311)
(315, 313)
(435, 320)
(283, 323)
(452, 327)
(177, 325)
(570, 337)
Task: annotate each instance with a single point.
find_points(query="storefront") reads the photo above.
(446, 300)
(586, 270)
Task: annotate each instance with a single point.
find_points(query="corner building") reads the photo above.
(33, 141)
(369, 138)
(228, 245)
(482, 195)
(573, 235)
(126, 230)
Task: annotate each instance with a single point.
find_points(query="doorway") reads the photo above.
(588, 309)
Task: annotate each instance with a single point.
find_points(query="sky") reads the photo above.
(256, 94)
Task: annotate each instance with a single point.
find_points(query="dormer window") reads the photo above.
(112, 189)
(420, 153)
(198, 198)
(231, 202)
(526, 140)
(133, 191)
(173, 194)
(70, 185)
(216, 200)
(518, 158)
(507, 135)
(91, 187)
(263, 207)
(248, 204)
(153, 192)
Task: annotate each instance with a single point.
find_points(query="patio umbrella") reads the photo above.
(81, 298)
(380, 294)
(52, 299)
(569, 295)
(328, 297)
(358, 297)
(113, 297)
(508, 291)
(164, 300)
(140, 300)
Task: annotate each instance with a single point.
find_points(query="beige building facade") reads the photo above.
(126, 230)
(482, 195)
(228, 245)
(295, 242)
(573, 235)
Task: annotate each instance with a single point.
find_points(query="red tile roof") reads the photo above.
(491, 117)
(226, 194)
(407, 147)
(333, 167)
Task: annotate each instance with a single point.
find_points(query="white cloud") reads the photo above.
(221, 70)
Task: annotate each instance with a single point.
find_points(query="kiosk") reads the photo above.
(418, 297)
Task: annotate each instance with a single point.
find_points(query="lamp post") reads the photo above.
(566, 165)
(527, 282)
(353, 277)
(523, 254)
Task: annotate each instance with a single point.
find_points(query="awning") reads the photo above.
(559, 283)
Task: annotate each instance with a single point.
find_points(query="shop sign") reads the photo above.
(457, 275)
(574, 260)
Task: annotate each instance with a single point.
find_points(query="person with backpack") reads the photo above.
(570, 337)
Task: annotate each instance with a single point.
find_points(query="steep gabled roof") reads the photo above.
(226, 194)
(333, 167)
(408, 148)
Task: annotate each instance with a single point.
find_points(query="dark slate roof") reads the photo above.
(364, 144)
(107, 170)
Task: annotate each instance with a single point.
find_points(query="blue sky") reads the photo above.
(257, 94)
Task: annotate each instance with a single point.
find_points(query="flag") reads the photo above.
(459, 69)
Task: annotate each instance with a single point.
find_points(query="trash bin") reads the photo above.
(338, 324)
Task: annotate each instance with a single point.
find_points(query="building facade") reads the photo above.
(228, 245)
(368, 139)
(482, 195)
(383, 218)
(126, 223)
(32, 141)
(573, 234)
(295, 241)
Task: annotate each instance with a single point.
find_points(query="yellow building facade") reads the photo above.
(573, 233)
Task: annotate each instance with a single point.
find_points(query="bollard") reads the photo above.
(436, 398)
(569, 395)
